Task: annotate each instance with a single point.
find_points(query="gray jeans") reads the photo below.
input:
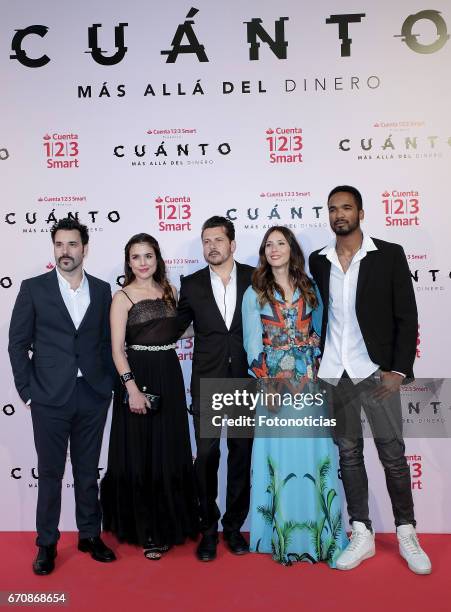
(385, 420)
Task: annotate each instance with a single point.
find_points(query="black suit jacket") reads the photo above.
(42, 324)
(218, 351)
(385, 305)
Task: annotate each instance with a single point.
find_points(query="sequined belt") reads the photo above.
(148, 347)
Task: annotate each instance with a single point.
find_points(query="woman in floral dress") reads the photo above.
(295, 503)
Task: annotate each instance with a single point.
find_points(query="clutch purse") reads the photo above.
(154, 400)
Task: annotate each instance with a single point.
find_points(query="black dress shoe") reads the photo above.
(236, 542)
(206, 551)
(97, 548)
(45, 560)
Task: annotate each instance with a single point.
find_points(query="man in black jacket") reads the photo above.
(211, 298)
(369, 335)
(62, 317)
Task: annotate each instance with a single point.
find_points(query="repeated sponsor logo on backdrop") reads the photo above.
(28, 476)
(185, 349)
(425, 407)
(173, 213)
(181, 266)
(8, 410)
(416, 471)
(285, 145)
(40, 220)
(61, 151)
(293, 208)
(426, 274)
(62, 199)
(402, 140)
(401, 208)
(172, 147)
(6, 282)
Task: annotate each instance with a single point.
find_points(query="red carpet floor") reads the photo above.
(252, 582)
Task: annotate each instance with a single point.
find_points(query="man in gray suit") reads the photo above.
(62, 317)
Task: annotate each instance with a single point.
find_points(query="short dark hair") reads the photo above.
(69, 223)
(218, 221)
(348, 189)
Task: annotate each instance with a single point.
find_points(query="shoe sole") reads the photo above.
(42, 573)
(419, 572)
(101, 560)
(239, 552)
(368, 555)
(206, 560)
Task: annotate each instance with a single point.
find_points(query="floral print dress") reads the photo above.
(295, 508)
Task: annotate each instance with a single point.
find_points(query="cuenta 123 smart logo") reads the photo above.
(285, 145)
(416, 470)
(61, 150)
(401, 208)
(173, 213)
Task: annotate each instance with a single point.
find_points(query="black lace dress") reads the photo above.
(148, 491)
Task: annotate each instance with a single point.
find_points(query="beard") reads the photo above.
(68, 265)
(216, 259)
(347, 228)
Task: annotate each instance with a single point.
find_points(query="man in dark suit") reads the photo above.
(369, 334)
(211, 298)
(62, 317)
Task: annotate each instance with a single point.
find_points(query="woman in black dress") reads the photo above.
(148, 492)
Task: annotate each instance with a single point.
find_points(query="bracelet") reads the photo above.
(126, 377)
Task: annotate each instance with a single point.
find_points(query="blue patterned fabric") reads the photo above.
(295, 503)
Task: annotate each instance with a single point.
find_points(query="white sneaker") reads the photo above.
(411, 551)
(360, 547)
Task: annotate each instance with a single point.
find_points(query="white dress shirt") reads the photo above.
(345, 348)
(76, 300)
(225, 296)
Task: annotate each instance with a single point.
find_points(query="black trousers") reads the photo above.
(238, 480)
(385, 420)
(81, 421)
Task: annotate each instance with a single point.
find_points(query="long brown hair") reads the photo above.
(160, 273)
(263, 280)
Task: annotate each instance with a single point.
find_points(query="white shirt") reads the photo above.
(76, 300)
(345, 348)
(225, 296)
